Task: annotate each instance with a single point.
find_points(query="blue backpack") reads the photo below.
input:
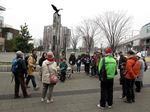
(15, 65)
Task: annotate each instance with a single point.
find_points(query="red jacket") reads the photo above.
(129, 74)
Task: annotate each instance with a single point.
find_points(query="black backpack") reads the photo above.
(102, 73)
(26, 60)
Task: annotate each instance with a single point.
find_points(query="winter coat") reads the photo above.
(140, 77)
(63, 66)
(129, 74)
(72, 60)
(31, 65)
(46, 73)
(110, 66)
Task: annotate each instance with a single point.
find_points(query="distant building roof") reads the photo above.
(2, 8)
(131, 39)
(146, 24)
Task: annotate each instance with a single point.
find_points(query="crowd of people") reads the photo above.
(105, 66)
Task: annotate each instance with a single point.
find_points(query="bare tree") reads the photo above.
(74, 39)
(88, 31)
(114, 27)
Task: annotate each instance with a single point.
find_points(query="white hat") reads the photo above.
(50, 54)
(139, 55)
(19, 53)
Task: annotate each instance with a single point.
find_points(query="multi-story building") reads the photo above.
(65, 34)
(8, 33)
(47, 37)
(2, 40)
(85, 44)
(140, 42)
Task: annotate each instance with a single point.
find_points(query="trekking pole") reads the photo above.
(12, 75)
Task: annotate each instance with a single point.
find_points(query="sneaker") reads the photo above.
(27, 96)
(48, 101)
(109, 107)
(42, 99)
(133, 100)
(16, 97)
(52, 100)
(122, 97)
(99, 106)
(126, 101)
(36, 88)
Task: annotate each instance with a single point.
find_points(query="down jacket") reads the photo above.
(129, 74)
(46, 73)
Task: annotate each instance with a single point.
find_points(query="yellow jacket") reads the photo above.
(31, 65)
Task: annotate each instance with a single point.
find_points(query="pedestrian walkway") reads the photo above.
(79, 94)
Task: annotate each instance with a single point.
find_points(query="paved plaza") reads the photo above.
(79, 94)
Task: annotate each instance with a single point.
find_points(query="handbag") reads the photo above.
(52, 77)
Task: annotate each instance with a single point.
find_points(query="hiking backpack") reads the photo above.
(136, 68)
(15, 65)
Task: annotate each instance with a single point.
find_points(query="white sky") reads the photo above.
(39, 13)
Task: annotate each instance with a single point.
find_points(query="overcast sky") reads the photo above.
(39, 13)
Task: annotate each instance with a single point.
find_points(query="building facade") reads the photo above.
(65, 34)
(140, 42)
(2, 41)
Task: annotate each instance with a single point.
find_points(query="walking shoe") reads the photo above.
(99, 106)
(126, 101)
(48, 101)
(122, 97)
(133, 100)
(42, 99)
(27, 96)
(16, 97)
(109, 107)
(52, 100)
(36, 88)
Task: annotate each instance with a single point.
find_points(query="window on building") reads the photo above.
(148, 29)
(9, 36)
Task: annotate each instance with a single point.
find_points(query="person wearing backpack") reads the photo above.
(132, 71)
(139, 79)
(19, 71)
(31, 69)
(107, 71)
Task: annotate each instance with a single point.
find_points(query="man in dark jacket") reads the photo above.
(121, 66)
(19, 75)
(72, 61)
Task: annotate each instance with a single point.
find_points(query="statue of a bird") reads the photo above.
(55, 8)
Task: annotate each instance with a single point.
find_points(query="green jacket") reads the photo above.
(110, 66)
(63, 66)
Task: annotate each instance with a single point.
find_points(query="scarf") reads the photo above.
(50, 59)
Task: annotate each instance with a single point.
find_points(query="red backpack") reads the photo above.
(136, 68)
